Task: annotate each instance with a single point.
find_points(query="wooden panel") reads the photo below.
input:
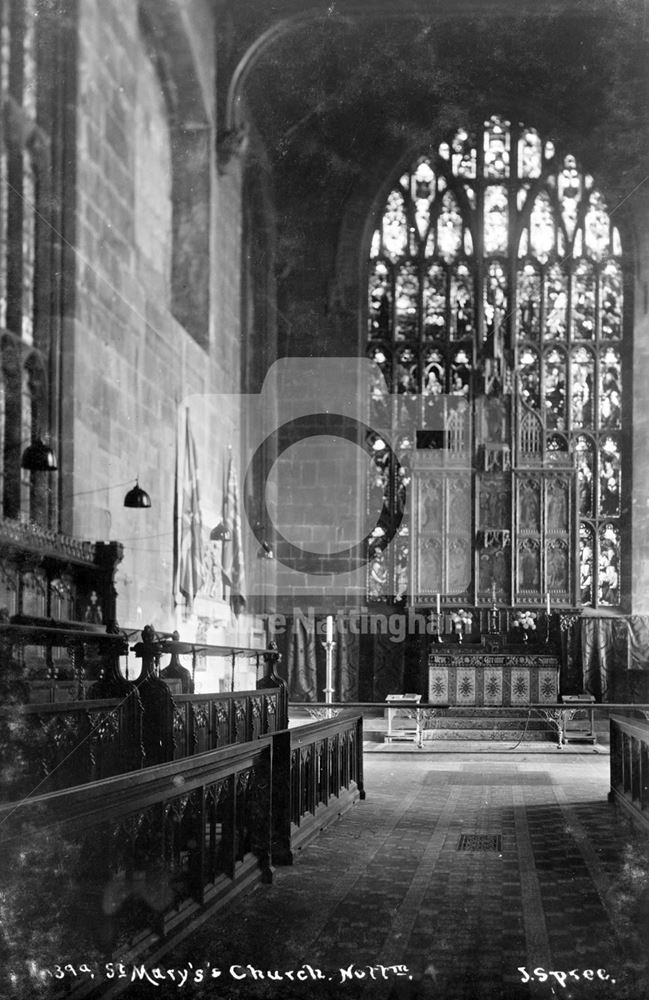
(442, 551)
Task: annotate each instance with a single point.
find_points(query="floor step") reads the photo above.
(489, 735)
(487, 722)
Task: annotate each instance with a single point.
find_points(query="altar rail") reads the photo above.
(630, 766)
(127, 866)
(56, 746)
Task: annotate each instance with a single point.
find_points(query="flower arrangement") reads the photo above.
(525, 620)
(462, 618)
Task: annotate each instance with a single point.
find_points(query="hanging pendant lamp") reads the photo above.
(39, 457)
(137, 497)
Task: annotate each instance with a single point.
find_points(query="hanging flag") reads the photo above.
(190, 561)
(233, 571)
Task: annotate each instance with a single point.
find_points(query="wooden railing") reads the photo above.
(105, 725)
(325, 775)
(75, 742)
(127, 865)
(207, 721)
(144, 854)
(630, 766)
(57, 746)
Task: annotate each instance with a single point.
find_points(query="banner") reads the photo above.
(190, 558)
(232, 565)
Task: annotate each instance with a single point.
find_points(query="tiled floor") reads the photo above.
(566, 891)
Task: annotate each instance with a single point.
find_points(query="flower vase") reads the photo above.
(460, 632)
(524, 634)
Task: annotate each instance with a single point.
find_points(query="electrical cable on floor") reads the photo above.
(523, 734)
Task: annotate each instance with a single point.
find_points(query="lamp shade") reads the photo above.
(39, 457)
(137, 497)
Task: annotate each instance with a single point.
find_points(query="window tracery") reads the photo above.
(501, 246)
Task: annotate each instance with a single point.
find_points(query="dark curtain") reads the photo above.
(301, 661)
(388, 667)
(598, 658)
(571, 681)
(306, 661)
(613, 649)
(639, 642)
(346, 667)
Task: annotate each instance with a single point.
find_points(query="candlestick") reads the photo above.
(329, 647)
(547, 603)
(436, 626)
(437, 604)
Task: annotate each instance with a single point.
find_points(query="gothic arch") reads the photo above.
(493, 221)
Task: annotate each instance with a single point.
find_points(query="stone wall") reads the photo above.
(132, 368)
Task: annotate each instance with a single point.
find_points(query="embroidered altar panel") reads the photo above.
(499, 680)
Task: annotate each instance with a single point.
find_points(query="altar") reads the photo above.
(469, 678)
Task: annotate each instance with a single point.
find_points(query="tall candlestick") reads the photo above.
(329, 646)
(547, 603)
(438, 606)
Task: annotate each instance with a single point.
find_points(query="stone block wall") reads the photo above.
(131, 368)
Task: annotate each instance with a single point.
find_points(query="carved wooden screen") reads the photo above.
(495, 279)
(544, 535)
(442, 557)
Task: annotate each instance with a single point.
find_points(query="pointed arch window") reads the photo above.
(500, 240)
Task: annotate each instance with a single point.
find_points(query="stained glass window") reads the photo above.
(530, 377)
(554, 377)
(449, 228)
(609, 478)
(529, 154)
(395, 227)
(461, 318)
(556, 304)
(609, 564)
(496, 223)
(434, 305)
(583, 301)
(501, 246)
(586, 557)
(422, 193)
(542, 229)
(581, 387)
(496, 147)
(580, 274)
(585, 469)
(529, 302)
(610, 389)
